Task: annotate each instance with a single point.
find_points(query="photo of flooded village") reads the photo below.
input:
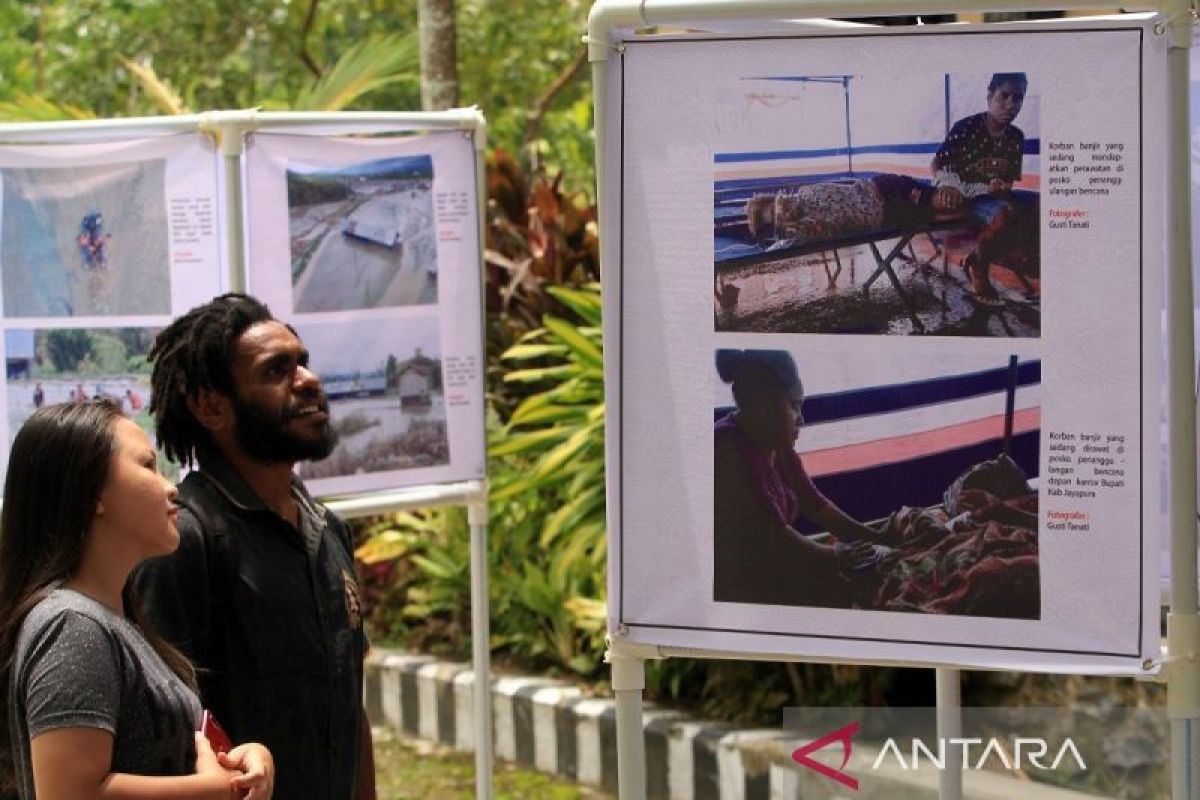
(65, 365)
(362, 236)
(383, 379)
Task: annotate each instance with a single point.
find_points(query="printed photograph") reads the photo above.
(63, 365)
(85, 241)
(880, 486)
(362, 236)
(383, 379)
(913, 217)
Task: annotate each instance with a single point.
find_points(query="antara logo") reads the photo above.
(1019, 754)
(843, 735)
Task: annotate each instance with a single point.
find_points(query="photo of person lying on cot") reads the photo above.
(761, 488)
(830, 210)
(975, 169)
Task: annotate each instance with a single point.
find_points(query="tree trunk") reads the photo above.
(439, 55)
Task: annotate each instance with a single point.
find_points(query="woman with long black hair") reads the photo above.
(96, 705)
(762, 491)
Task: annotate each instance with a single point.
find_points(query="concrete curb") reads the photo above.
(550, 726)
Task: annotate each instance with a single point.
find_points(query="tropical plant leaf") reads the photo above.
(361, 69)
(584, 303)
(577, 508)
(564, 452)
(523, 352)
(26, 107)
(524, 441)
(157, 88)
(541, 374)
(580, 345)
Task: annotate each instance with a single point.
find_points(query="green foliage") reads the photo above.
(507, 68)
(364, 68)
(108, 354)
(214, 53)
(547, 545)
(67, 347)
(75, 59)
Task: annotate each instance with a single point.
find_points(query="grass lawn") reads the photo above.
(408, 769)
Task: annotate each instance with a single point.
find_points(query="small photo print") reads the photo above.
(85, 241)
(877, 486)
(362, 236)
(64, 365)
(386, 398)
(888, 217)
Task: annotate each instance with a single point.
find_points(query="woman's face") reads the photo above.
(775, 418)
(1004, 102)
(137, 503)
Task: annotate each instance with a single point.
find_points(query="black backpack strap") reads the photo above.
(202, 498)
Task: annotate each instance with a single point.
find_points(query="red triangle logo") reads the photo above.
(843, 735)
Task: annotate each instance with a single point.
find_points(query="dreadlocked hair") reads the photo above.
(192, 354)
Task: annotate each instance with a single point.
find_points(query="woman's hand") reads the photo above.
(208, 766)
(853, 555)
(257, 768)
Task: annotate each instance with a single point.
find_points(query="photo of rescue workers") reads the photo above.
(383, 379)
(85, 241)
(909, 206)
(362, 236)
(63, 365)
(877, 485)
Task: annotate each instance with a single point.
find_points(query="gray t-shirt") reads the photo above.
(80, 665)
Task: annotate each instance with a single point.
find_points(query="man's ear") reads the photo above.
(212, 409)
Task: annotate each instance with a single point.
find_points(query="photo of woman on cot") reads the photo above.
(95, 704)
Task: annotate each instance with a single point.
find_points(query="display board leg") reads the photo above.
(1183, 625)
(628, 681)
(477, 516)
(949, 726)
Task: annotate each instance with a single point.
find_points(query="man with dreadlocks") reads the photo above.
(261, 593)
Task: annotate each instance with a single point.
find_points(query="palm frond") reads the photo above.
(26, 107)
(365, 67)
(158, 89)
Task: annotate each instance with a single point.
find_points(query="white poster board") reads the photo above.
(914, 369)
(101, 246)
(370, 248)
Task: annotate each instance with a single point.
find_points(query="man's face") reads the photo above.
(280, 411)
(1004, 102)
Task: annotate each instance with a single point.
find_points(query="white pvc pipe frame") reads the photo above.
(608, 18)
(230, 128)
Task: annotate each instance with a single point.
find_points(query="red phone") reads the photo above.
(218, 739)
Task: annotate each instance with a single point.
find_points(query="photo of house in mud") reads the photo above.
(919, 216)
(63, 365)
(85, 241)
(362, 236)
(383, 379)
